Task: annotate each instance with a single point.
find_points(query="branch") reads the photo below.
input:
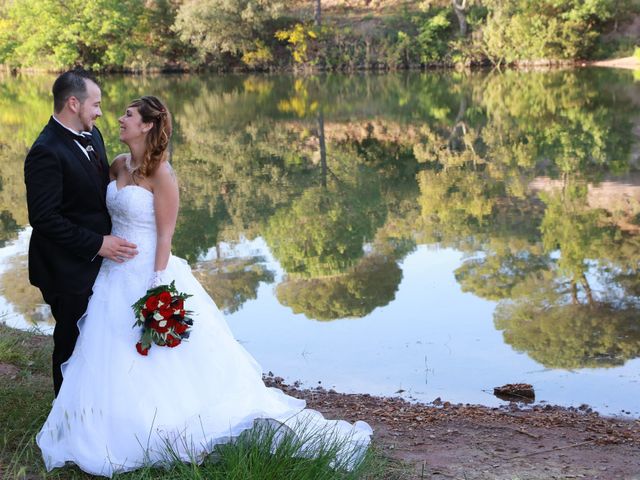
(459, 6)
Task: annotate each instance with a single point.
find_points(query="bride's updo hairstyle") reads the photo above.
(152, 110)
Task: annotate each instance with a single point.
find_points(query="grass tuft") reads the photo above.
(264, 452)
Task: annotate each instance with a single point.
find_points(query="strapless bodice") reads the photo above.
(133, 218)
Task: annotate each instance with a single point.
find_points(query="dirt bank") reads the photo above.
(631, 63)
(442, 440)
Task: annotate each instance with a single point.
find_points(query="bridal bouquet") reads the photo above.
(162, 316)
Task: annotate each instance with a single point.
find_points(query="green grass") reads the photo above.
(26, 400)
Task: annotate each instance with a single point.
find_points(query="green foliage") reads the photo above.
(232, 282)
(574, 228)
(218, 27)
(432, 37)
(371, 283)
(160, 45)
(48, 34)
(156, 34)
(561, 333)
(323, 231)
(494, 275)
(543, 29)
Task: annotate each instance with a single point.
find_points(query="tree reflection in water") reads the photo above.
(233, 281)
(332, 171)
(545, 321)
(371, 283)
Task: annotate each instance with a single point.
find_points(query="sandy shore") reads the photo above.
(631, 63)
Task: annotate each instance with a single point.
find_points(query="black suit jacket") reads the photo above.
(67, 210)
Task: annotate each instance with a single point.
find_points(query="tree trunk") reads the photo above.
(574, 293)
(454, 136)
(587, 290)
(460, 7)
(323, 148)
(318, 16)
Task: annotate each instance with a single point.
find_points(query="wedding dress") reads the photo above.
(118, 410)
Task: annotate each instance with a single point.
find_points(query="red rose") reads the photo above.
(142, 351)
(166, 312)
(144, 312)
(152, 303)
(178, 304)
(172, 341)
(180, 328)
(165, 298)
(160, 326)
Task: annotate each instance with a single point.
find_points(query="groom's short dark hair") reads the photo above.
(71, 84)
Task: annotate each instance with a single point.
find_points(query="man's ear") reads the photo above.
(74, 104)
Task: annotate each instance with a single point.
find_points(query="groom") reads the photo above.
(66, 174)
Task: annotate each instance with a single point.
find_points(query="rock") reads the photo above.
(518, 392)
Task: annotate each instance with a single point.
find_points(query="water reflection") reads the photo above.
(547, 320)
(233, 281)
(372, 283)
(531, 177)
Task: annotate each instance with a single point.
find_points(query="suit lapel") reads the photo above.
(99, 143)
(81, 160)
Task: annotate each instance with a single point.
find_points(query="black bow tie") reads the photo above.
(84, 139)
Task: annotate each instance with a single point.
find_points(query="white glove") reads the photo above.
(157, 279)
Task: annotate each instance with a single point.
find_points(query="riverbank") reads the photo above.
(437, 440)
(444, 440)
(332, 35)
(630, 63)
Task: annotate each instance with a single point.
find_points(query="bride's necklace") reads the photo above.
(130, 168)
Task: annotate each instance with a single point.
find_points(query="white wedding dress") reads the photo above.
(118, 410)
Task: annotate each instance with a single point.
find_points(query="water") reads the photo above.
(462, 231)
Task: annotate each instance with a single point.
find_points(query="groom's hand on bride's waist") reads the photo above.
(117, 249)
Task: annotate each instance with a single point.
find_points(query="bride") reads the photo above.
(118, 410)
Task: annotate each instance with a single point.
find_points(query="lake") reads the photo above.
(417, 234)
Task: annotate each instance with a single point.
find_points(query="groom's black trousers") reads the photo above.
(67, 310)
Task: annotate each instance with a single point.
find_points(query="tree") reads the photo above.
(216, 27)
(460, 9)
(49, 34)
(318, 13)
(544, 29)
